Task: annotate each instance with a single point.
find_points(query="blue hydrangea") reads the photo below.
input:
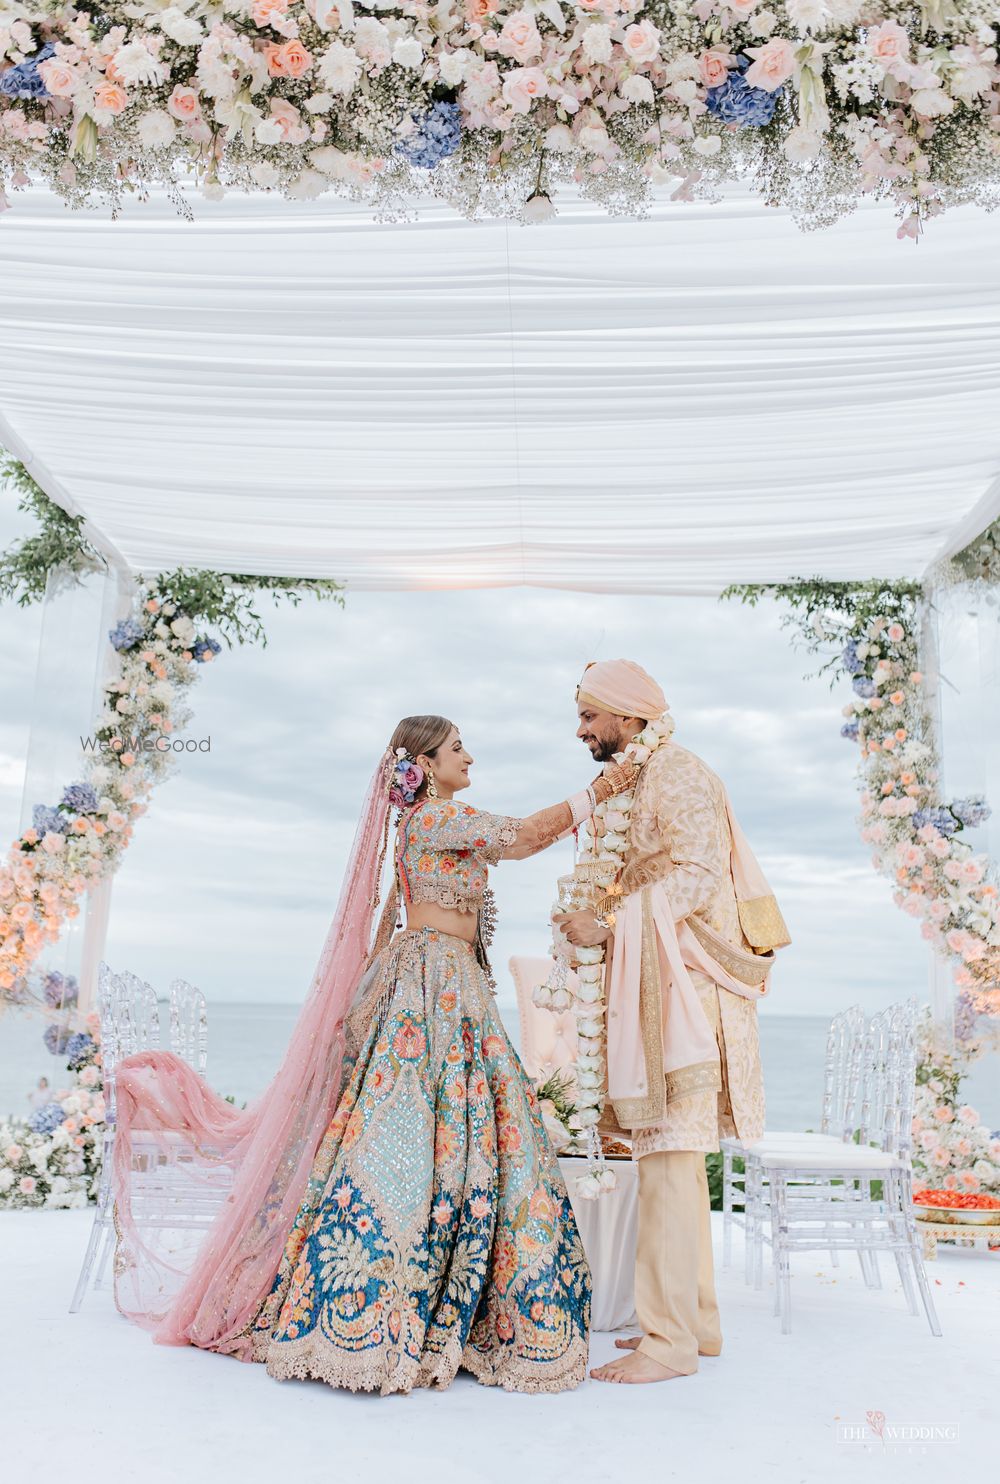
(864, 687)
(44, 819)
(437, 135)
(126, 632)
(204, 646)
(849, 658)
(79, 1050)
(850, 731)
(736, 102)
(56, 1038)
(971, 812)
(942, 820)
(60, 989)
(23, 80)
(46, 1119)
(79, 797)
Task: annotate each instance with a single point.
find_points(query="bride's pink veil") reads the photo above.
(175, 1134)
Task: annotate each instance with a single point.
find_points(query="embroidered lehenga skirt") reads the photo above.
(436, 1231)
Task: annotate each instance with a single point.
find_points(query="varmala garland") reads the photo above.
(595, 885)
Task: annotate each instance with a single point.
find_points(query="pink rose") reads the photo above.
(13, 1153)
(774, 64)
(713, 68)
(293, 131)
(59, 79)
(889, 43)
(519, 38)
(641, 42)
(264, 11)
(522, 86)
(27, 1184)
(183, 104)
(110, 97)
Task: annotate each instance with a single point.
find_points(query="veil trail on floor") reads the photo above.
(205, 1287)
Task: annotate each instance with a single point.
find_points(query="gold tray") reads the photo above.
(957, 1216)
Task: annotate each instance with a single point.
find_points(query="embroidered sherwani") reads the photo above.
(680, 837)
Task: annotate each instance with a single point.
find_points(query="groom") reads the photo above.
(690, 943)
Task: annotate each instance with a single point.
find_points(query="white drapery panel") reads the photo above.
(658, 406)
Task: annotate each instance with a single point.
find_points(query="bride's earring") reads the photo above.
(432, 792)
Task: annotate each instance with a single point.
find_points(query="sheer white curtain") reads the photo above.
(656, 406)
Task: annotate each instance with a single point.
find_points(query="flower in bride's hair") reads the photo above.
(407, 778)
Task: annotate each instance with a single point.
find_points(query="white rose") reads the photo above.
(339, 68)
(594, 138)
(180, 27)
(6, 1179)
(614, 841)
(541, 996)
(307, 186)
(372, 40)
(156, 128)
(588, 1079)
(931, 103)
(267, 131)
(538, 208)
(560, 999)
(596, 43)
(559, 139)
(590, 1029)
(589, 994)
(135, 63)
(408, 52)
(71, 1104)
(589, 955)
(452, 66)
(588, 1187)
(803, 144)
(763, 22)
(589, 973)
(807, 15)
(707, 144)
(637, 89)
(318, 103)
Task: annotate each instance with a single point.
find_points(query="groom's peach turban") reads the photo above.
(623, 687)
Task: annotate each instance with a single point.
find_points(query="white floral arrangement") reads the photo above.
(52, 1160)
(952, 890)
(72, 846)
(599, 865)
(952, 1148)
(492, 104)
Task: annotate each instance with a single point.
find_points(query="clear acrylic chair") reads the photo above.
(840, 1089)
(189, 1024)
(846, 1215)
(129, 1016)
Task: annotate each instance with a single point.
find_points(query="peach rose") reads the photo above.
(773, 65)
(290, 60)
(183, 104)
(713, 68)
(522, 86)
(110, 97)
(59, 79)
(264, 10)
(641, 42)
(889, 43)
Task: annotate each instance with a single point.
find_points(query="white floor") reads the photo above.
(89, 1398)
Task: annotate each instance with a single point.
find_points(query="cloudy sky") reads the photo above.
(234, 873)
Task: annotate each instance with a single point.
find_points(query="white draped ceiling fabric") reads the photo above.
(666, 405)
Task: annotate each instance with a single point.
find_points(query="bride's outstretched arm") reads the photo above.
(542, 829)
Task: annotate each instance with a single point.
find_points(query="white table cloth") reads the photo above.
(608, 1231)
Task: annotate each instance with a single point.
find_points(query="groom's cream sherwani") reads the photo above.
(680, 837)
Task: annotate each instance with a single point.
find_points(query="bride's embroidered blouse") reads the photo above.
(443, 850)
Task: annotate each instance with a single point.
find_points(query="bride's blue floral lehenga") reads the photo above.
(436, 1231)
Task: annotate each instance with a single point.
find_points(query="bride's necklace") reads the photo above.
(595, 885)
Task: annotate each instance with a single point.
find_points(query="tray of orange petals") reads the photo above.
(956, 1208)
(614, 1148)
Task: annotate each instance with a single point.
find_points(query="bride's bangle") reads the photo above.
(582, 805)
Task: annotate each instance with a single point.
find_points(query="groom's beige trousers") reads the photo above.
(674, 1273)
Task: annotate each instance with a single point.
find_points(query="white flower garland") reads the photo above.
(598, 871)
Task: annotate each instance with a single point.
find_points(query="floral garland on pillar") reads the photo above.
(595, 883)
(491, 104)
(79, 841)
(915, 833)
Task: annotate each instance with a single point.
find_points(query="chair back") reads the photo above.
(129, 1015)
(189, 1024)
(889, 1079)
(842, 1072)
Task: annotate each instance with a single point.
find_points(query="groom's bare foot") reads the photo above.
(632, 1343)
(634, 1370)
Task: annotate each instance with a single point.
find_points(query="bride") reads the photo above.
(392, 1206)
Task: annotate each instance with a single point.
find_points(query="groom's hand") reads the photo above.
(582, 929)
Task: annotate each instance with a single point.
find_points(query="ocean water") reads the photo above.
(246, 1043)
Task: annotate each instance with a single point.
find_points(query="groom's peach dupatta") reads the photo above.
(205, 1287)
(659, 1043)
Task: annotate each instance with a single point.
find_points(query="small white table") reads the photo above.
(608, 1232)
